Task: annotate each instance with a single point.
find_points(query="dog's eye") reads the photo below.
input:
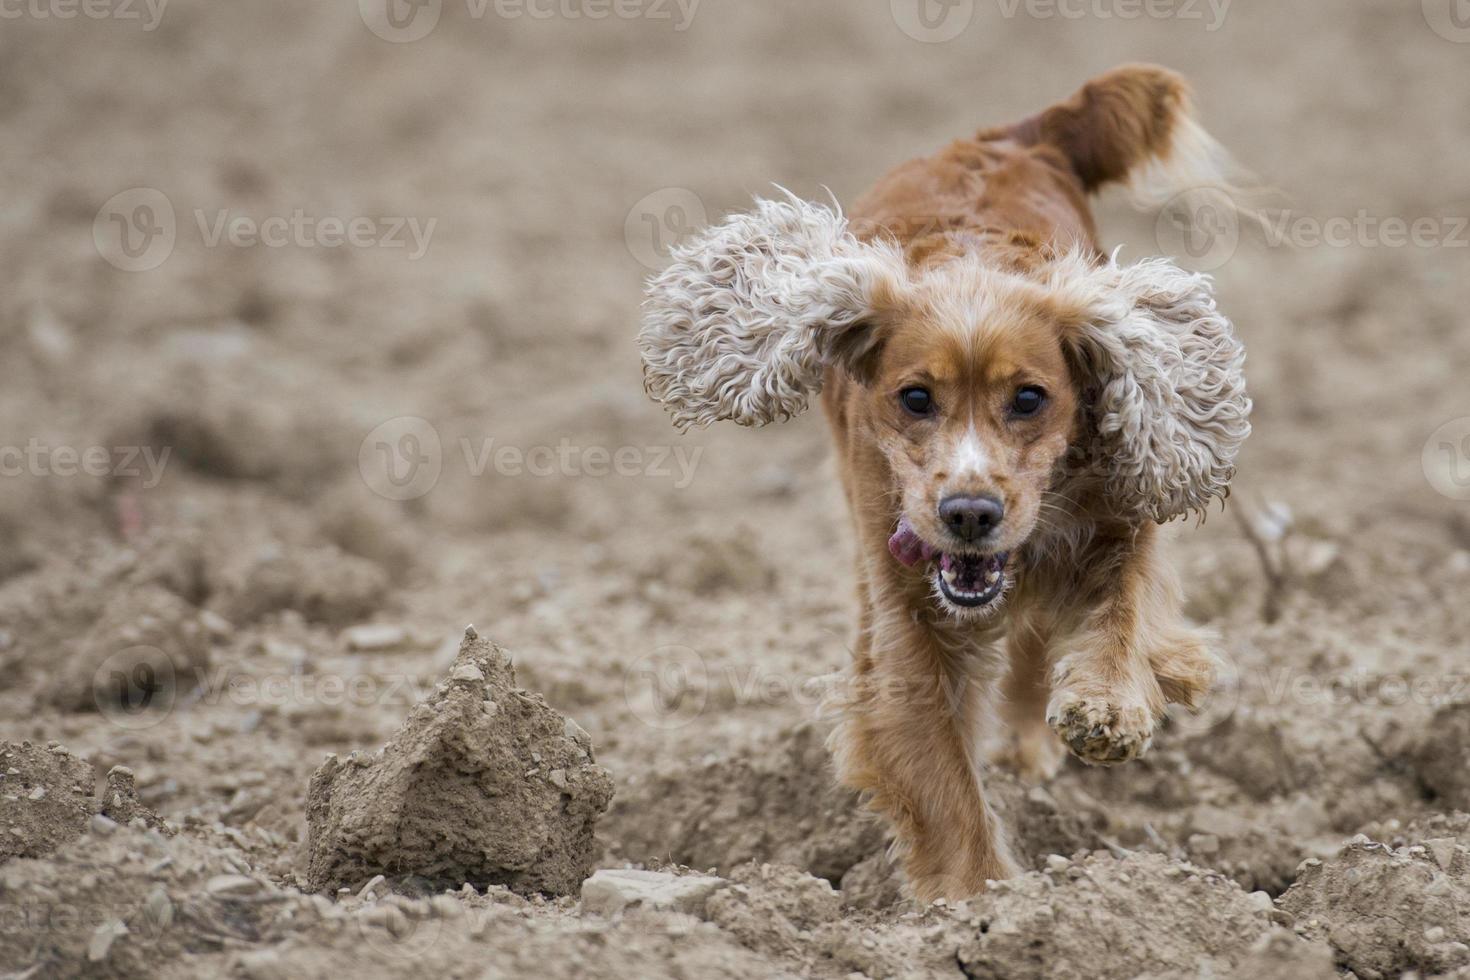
(917, 401)
(1028, 401)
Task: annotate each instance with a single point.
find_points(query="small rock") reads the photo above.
(158, 908)
(375, 637)
(103, 826)
(467, 673)
(1055, 862)
(231, 885)
(262, 964)
(1443, 849)
(216, 625)
(1205, 845)
(611, 890)
(446, 906)
(103, 938)
(1435, 934)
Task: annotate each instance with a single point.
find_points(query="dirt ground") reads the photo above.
(259, 478)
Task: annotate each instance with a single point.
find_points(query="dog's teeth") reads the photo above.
(991, 577)
(948, 574)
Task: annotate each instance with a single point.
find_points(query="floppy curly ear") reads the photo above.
(743, 323)
(1163, 371)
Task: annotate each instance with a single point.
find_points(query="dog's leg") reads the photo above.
(1132, 655)
(908, 741)
(1032, 750)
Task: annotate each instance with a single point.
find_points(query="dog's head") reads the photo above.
(992, 394)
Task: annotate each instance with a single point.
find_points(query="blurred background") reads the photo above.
(317, 326)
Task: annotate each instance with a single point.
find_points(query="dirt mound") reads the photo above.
(1388, 910)
(146, 644)
(1107, 917)
(484, 784)
(48, 797)
(1438, 758)
(318, 581)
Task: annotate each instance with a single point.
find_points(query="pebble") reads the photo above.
(231, 885)
(103, 826)
(159, 909)
(611, 890)
(261, 964)
(446, 906)
(1204, 844)
(467, 674)
(1055, 862)
(102, 939)
(375, 637)
(1443, 849)
(1434, 934)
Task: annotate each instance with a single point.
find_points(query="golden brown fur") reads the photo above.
(1093, 635)
(1013, 413)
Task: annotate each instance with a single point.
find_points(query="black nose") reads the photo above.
(970, 518)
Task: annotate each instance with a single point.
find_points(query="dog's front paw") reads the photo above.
(1100, 730)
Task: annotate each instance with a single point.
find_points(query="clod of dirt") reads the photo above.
(46, 799)
(146, 643)
(610, 891)
(1103, 916)
(772, 908)
(229, 405)
(1439, 758)
(1387, 910)
(322, 583)
(484, 784)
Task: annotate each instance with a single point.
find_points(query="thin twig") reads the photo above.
(1277, 579)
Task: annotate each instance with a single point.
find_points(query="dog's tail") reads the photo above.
(1134, 126)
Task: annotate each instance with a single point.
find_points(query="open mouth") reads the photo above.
(966, 580)
(971, 580)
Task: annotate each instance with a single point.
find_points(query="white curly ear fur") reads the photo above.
(743, 323)
(1168, 410)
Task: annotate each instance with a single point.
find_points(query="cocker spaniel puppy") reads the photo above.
(1014, 412)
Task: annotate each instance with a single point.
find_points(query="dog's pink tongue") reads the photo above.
(906, 546)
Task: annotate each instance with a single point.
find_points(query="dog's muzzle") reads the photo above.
(967, 580)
